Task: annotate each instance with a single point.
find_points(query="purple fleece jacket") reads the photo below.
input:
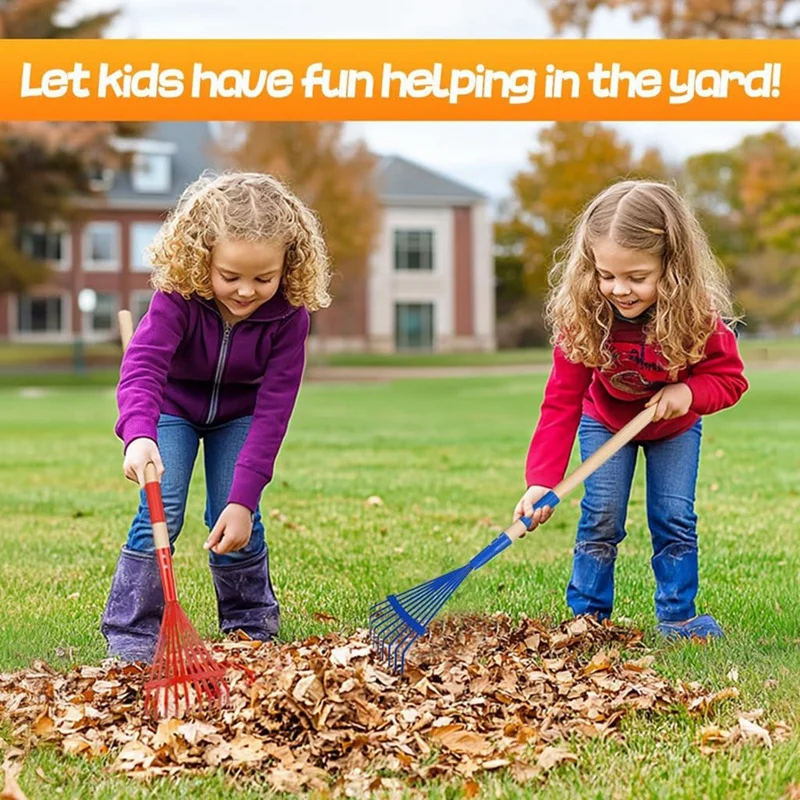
(185, 361)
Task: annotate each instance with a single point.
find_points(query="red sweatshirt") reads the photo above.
(615, 396)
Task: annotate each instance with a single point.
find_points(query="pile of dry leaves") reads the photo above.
(479, 694)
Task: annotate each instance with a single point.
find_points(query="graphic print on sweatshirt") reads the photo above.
(637, 369)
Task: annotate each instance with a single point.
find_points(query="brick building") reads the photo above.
(429, 284)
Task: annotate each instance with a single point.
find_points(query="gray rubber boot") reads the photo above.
(245, 599)
(132, 618)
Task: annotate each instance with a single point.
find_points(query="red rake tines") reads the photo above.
(184, 674)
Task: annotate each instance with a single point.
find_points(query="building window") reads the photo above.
(140, 302)
(413, 326)
(39, 314)
(46, 244)
(103, 318)
(150, 172)
(413, 250)
(142, 235)
(101, 246)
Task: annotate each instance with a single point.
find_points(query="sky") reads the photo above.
(484, 155)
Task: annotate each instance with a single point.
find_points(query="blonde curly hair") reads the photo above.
(243, 206)
(692, 292)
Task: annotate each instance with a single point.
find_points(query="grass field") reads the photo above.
(16, 357)
(446, 457)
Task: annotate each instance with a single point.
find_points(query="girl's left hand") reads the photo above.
(672, 401)
(232, 531)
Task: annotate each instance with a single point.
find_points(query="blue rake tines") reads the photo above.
(398, 621)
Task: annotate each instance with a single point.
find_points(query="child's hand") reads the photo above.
(672, 401)
(525, 506)
(137, 455)
(232, 531)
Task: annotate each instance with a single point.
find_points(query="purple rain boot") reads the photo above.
(135, 605)
(245, 599)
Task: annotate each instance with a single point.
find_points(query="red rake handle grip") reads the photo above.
(152, 490)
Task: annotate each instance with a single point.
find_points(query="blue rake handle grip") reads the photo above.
(555, 495)
(504, 540)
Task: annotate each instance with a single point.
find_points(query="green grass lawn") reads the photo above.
(446, 456)
(16, 357)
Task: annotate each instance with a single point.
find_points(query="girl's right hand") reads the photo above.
(525, 506)
(138, 453)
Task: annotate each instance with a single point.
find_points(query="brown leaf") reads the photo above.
(135, 755)
(600, 661)
(11, 789)
(524, 773)
(753, 732)
(704, 703)
(44, 725)
(165, 734)
(308, 690)
(459, 740)
(639, 664)
(244, 749)
(285, 780)
(552, 756)
(318, 715)
(471, 788)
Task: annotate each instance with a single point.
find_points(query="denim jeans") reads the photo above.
(671, 478)
(178, 442)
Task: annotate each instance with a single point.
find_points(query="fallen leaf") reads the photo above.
(455, 738)
(750, 730)
(11, 789)
(479, 694)
(524, 773)
(552, 756)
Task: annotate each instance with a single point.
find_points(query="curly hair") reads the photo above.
(692, 291)
(244, 206)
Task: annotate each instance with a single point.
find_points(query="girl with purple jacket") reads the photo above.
(219, 356)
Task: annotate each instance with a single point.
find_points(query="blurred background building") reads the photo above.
(428, 282)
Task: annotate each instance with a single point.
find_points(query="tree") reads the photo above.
(574, 161)
(44, 165)
(334, 177)
(748, 198)
(683, 19)
(36, 19)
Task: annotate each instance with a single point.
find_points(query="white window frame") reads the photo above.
(156, 178)
(63, 334)
(135, 297)
(65, 262)
(421, 303)
(102, 265)
(133, 254)
(87, 322)
(396, 232)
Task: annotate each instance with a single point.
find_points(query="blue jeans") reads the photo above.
(178, 442)
(672, 466)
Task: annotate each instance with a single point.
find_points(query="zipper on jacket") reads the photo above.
(223, 351)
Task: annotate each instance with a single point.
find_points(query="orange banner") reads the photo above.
(540, 79)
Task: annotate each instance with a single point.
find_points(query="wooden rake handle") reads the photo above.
(152, 487)
(579, 475)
